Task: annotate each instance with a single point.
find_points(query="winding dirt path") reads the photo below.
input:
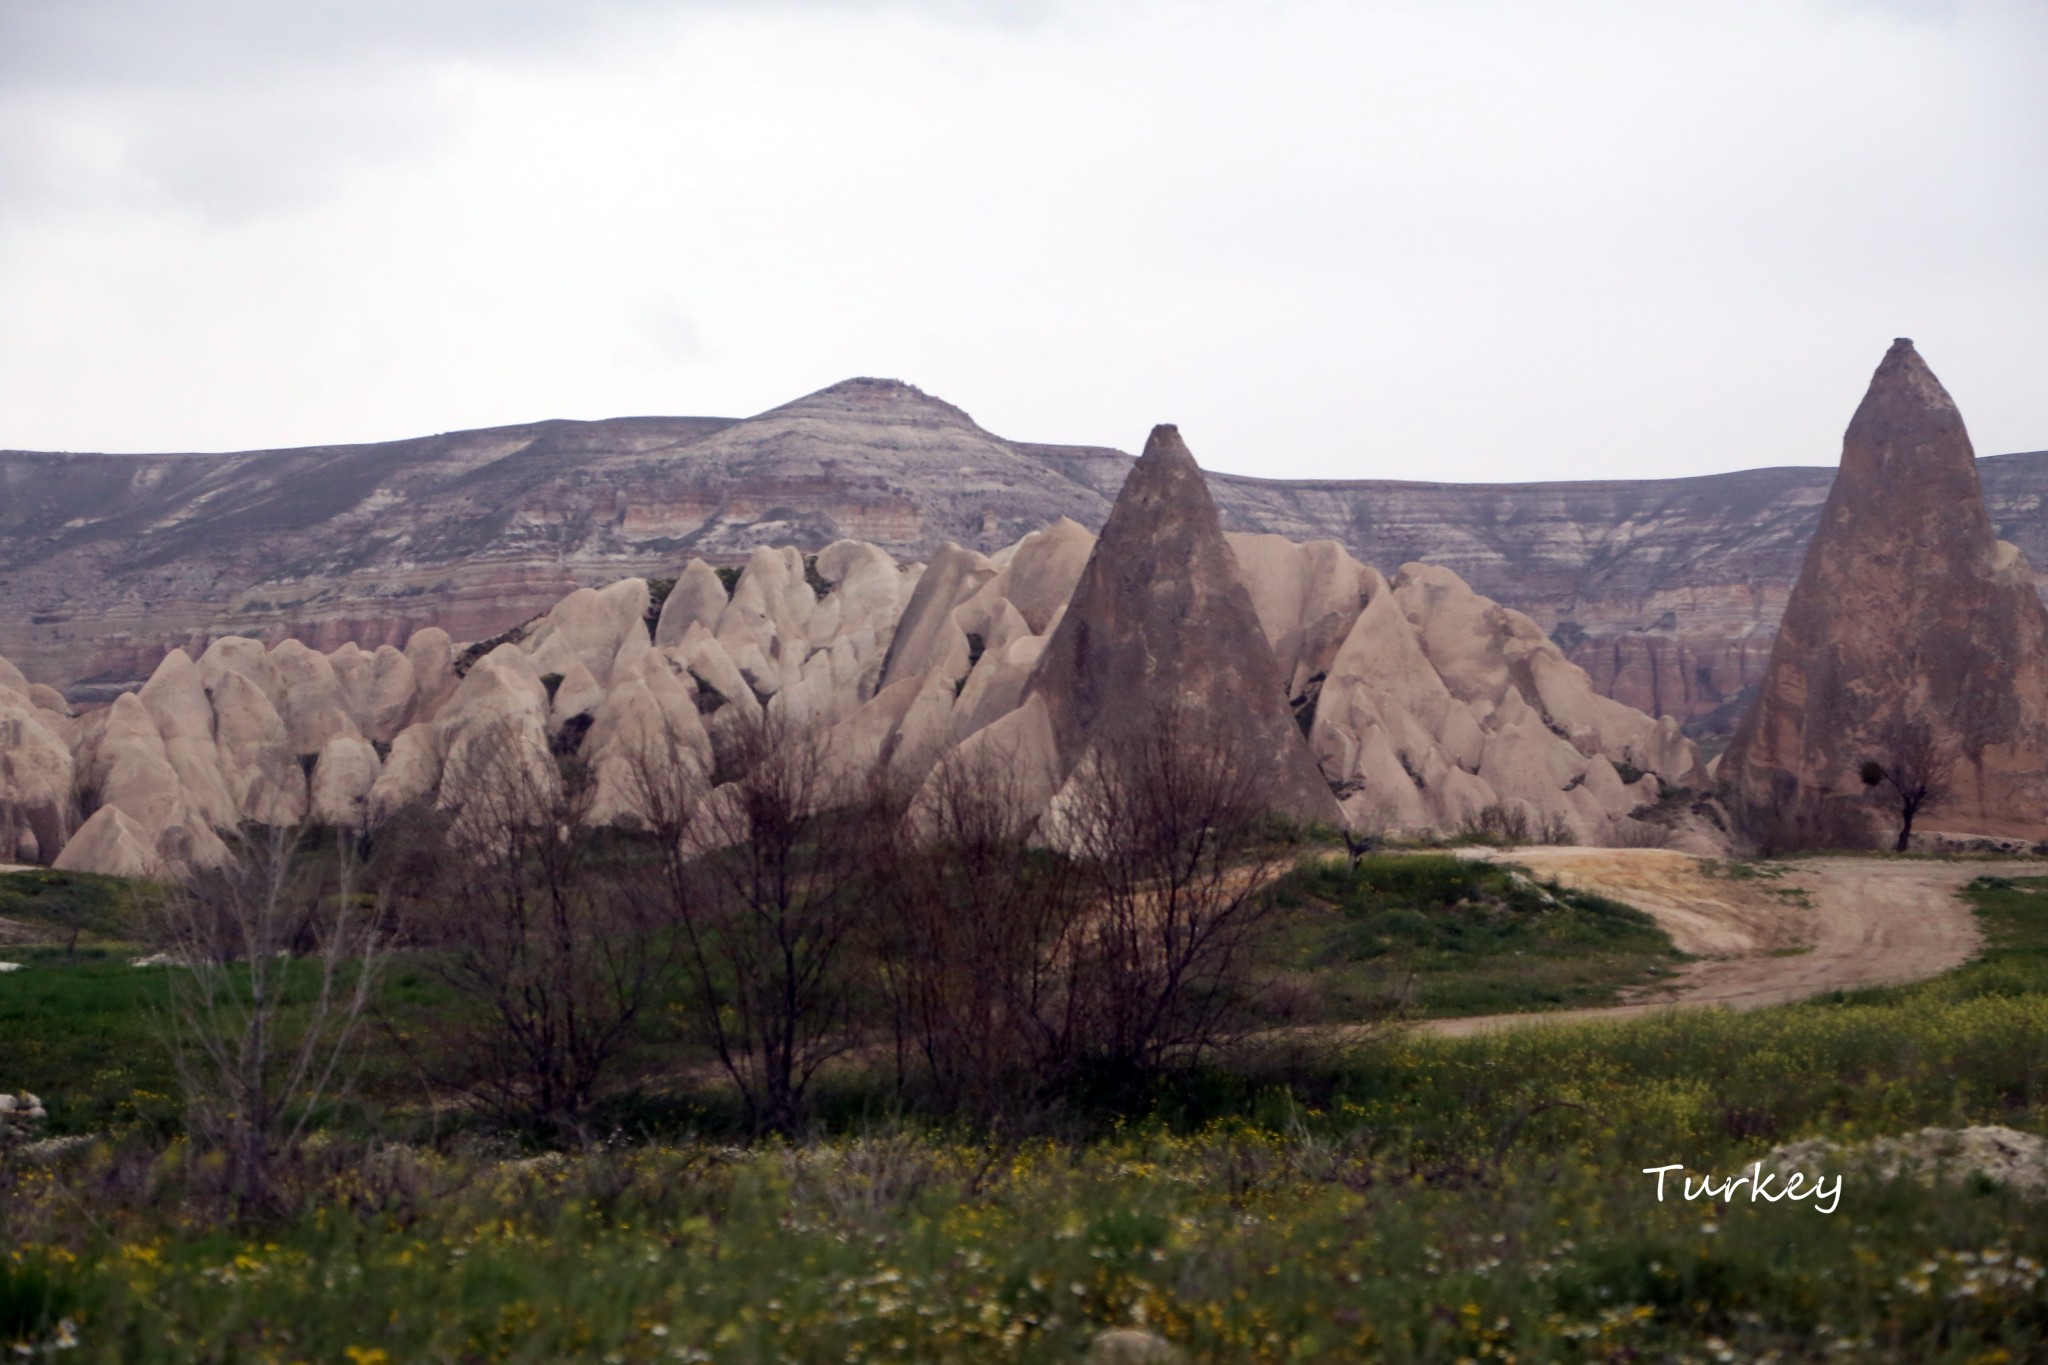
(1823, 924)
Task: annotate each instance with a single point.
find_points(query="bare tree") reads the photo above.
(1914, 769)
(1168, 820)
(1365, 831)
(767, 878)
(556, 951)
(979, 928)
(262, 1037)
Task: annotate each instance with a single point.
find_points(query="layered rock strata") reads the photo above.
(1667, 591)
(1407, 704)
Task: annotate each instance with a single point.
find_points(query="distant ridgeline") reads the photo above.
(1385, 705)
(1667, 591)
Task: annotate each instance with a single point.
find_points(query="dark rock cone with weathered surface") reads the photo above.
(1161, 622)
(1908, 614)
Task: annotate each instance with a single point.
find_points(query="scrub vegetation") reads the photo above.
(997, 1140)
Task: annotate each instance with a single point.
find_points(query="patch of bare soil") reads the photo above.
(1824, 924)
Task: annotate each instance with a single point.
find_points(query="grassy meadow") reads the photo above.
(1431, 935)
(1412, 1198)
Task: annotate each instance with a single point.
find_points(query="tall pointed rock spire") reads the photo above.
(1161, 615)
(1908, 609)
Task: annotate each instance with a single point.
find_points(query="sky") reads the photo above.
(1439, 239)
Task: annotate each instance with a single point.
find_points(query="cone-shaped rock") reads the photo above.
(1161, 616)
(1908, 609)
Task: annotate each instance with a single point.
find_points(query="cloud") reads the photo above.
(1482, 239)
(235, 107)
(103, 43)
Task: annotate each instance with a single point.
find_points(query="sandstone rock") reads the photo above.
(1039, 574)
(996, 686)
(47, 698)
(1906, 611)
(864, 741)
(176, 700)
(927, 726)
(604, 628)
(1423, 717)
(432, 656)
(341, 782)
(262, 774)
(35, 782)
(112, 844)
(129, 767)
(809, 701)
(927, 633)
(11, 680)
(1020, 743)
(576, 694)
(1160, 616)
(495, 733)
(377, 689)
(866, 592)
(411, 773)
(646, 730)
(1307, 597)
(762, 627)
(707, 662)
(309, 699)
(238, 654)
(698, 598)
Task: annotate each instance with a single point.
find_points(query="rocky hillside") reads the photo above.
(1318, 686)
(1666, 591)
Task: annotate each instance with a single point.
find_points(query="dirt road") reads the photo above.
(1822, 924)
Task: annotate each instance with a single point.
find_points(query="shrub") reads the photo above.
(1498, 823)
(658, 590)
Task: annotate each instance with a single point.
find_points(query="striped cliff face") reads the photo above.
(1667, 591)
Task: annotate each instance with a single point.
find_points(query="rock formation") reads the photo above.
(1161, 623)
(1667, 591)
(1908, 610)
(35, 771)
(1417, 702)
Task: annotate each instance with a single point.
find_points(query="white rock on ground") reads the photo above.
(2014, 1159)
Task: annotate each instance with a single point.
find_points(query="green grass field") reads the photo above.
(1420, 1199)
(1435, 935)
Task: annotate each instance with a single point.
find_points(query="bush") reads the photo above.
(658, 590)
(1499, 824)
(75, 903)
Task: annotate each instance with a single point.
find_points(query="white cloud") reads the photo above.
(1480, 240)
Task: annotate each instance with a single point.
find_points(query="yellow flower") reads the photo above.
(368, 1355)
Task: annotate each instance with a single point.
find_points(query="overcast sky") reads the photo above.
(1453, 239)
